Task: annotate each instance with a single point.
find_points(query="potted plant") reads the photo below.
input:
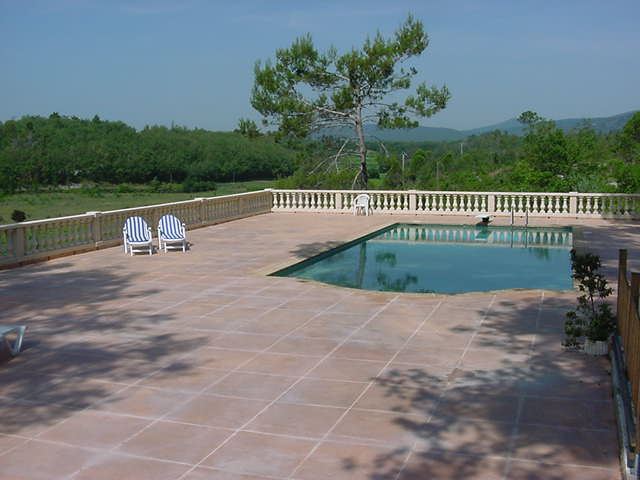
(592, 318)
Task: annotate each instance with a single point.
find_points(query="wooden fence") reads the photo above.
(629, 332)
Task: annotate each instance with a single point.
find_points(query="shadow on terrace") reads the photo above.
(515, 398)
(90, 332)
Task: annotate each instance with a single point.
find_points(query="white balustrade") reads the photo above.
(40, 239)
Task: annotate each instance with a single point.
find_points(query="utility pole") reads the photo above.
(461, 149)
(403, 156)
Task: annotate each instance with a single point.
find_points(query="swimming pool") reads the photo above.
(446, 259)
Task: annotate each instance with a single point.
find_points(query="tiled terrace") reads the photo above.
(198, 366)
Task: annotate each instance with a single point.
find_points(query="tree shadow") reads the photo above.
(88, 330)
(517, 392)
(306, 250)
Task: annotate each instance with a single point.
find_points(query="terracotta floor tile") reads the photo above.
(397, 398)
(218, 358)
(365, 351)
(465, 403)
(397, 430)
(567, 446)
(430, 355)
(143, 402)
(114, 466)
(253, 385)
(217, 411)
(280, 364)
(203, 473)
(339, 461)
(427, 465)
(304, 346)
(519, 470)
(347, 369)
(260, 454)
(331, 393)
(36, 460)
(568, 413)
(245, 341)
(28, 419)
(296, 420)
(467, 436)
(8, 442)
(95, 429)
(183, 377)
(175, 441)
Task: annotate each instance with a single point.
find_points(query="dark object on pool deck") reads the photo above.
(485, 218)
(17, 343)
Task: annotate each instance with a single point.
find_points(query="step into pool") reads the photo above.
(446, 259)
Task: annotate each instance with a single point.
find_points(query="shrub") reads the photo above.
(191, 185)
(592, 318)
(18, 216)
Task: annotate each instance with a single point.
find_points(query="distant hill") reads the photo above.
(437, 134)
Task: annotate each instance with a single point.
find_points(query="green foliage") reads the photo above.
(305, 89)
(247, 128)
(592, 318)
(59, 150)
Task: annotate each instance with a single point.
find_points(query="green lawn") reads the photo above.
(73, 202)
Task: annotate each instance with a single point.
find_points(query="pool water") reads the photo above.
(446, 259)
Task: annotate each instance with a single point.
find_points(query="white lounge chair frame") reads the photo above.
(17, 344)
(361, 204)
(171, 233)
(139, 238)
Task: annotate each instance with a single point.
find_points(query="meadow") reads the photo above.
(60, 203)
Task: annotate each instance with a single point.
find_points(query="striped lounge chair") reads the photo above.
(137, 236)
(171, 233)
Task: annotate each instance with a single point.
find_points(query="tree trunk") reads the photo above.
(362, 179)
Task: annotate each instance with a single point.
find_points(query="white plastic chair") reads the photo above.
(137, 236)
(171, 233)
(361, 204)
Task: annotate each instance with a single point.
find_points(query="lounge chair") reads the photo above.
(171, 233)
(137, 236)
(361, 204)
(17, 343)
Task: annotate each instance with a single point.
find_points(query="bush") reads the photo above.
(191, 185)
(592, 318)
(18, 216)
(125, 188)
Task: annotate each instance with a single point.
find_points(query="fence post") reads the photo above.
(19, 246)
(491, 203)
(622, 287)
(200, 208)
(339, 201)
(573, 204)
(96, 228)
(635, 287)
(413, 203)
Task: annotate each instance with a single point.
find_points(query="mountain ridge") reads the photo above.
(434, 134)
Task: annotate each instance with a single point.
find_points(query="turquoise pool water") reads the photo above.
(446, 259)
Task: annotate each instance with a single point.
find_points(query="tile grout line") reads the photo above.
(380, 372)
(442, 394)
(303, 377)
(201, 392)
(521, 399)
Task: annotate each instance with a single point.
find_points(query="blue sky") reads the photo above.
(191, 62)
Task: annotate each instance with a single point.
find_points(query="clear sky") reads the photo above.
(191, 62)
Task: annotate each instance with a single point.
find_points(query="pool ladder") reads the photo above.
(526, 216)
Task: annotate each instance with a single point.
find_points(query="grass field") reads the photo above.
(73, 202)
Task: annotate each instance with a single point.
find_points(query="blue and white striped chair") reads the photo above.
(137, 236)
(171, 233)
